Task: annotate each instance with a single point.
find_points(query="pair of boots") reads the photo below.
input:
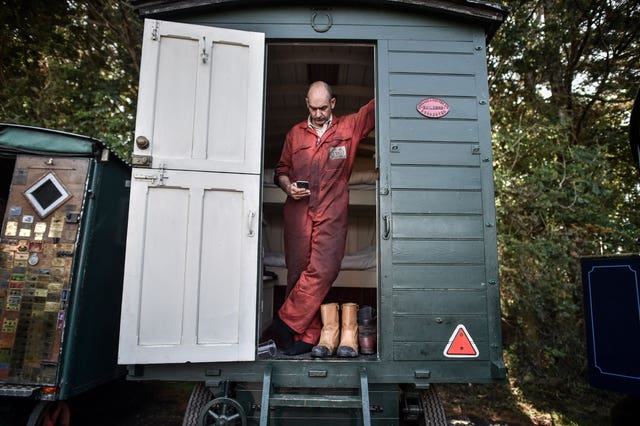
(332, 337)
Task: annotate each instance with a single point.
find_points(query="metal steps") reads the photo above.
(301, 400)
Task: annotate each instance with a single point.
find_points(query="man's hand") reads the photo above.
(291, 189)
(296, 193)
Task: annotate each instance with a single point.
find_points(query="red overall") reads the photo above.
(315, 227)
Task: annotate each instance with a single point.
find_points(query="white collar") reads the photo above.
(320, 130)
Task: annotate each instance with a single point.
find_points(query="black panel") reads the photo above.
(612, 313)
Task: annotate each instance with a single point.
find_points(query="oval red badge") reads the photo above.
(433, 107)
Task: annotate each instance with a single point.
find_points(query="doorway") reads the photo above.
(349, 69)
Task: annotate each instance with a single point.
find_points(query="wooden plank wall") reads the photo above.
(438, 270)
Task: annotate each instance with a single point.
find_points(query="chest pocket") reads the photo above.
(337, 153)
(301, 159)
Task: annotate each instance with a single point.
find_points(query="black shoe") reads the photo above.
(346, 352)
(298, 348)
(320, 352)
(281, 333)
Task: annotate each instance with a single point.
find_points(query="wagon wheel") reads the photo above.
(50, 413)
(222, 412)
(200, 395)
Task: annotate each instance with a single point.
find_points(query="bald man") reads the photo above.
(321, 151)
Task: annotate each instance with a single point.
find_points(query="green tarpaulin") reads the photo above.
(16, 138)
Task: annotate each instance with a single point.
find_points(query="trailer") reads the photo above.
(611, 296)
(64, 200)
(221, 83)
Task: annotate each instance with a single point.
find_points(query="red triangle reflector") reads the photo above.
(461, 344)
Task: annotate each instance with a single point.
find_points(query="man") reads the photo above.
(321, 151)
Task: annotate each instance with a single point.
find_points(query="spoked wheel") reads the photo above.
(50, 413)
(222, 412)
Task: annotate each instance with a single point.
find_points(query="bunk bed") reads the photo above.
(359, 264)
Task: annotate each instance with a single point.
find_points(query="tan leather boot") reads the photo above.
(330, 334)
(348, 347)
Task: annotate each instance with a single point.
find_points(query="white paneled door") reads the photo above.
(192, 246)
(200, 97)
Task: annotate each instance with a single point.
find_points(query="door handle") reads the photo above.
(387, 226)
(251, 220)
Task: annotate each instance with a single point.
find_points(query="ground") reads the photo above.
(117, 404)
(164, 403)
(134, 404)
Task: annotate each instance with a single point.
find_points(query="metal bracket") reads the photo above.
(140, 160)
(498, 370)
(364, 394)
(266, 394)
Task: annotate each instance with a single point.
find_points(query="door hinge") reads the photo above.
(154, 31)
(204, 54)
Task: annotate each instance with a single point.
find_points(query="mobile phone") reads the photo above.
(302, 184)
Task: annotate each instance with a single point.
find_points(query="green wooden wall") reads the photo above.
(443, 265)
(438, 266)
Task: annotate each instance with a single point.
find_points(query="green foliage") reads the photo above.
(72, 66)
(563, 76)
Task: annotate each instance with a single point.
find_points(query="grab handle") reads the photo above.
(387, 226)
(251, 222)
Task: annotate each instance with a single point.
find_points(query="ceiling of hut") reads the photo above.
(291, 67)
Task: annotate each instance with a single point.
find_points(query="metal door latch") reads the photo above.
(160, 177)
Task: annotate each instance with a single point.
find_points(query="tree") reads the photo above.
(71, 65)
(564, 74)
